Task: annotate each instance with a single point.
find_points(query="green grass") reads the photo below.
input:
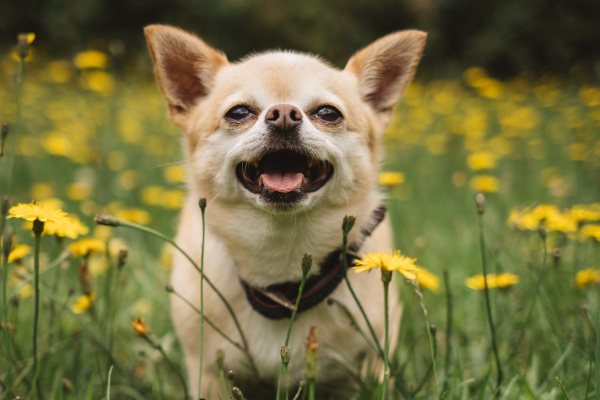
(119, 142)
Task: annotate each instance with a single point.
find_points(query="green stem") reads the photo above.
(499, 375)
(36, 266)
(174, 367)
(210, 323)
(449, 308)
(432, 343)
(362, 311)
(311, 390)
(11, 165)
(291, 324)
(386, 373)
(202, 209)
(208, 281)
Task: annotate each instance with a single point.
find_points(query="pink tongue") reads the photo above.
(283, 183)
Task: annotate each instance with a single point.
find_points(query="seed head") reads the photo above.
(306, 263)
(480, 203)
(285, 355)
(348, 223)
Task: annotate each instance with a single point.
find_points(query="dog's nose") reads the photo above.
(284, 117)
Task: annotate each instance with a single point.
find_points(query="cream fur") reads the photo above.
(250, 240)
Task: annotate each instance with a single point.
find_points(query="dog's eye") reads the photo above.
(328, 114)
(239, 114)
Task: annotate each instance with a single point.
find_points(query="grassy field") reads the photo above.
(93, 137)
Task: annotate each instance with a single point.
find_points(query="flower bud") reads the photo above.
(5, 205)
(23, 41)
(285, 355)
(306, 263)
(38, 227)
(230, 375)
(108, 220)
(169, 289)
(7, 241)
(433, 330)
(542, 231)
(122, 258)
(348, 223)
(237, 393)
(202, 204)
(15, 299)
(480, 203)
(312, 348)
(220, 359)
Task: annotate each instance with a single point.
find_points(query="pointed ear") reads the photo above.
(185, 66)
(386, 67)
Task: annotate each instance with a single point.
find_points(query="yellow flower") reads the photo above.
(71, 229)
(581, 213)
(90, 59)
(83, 303)
(175, 173)
(41, 191)
(485, 184)
(561, 223)
(38, 211)
(587, 277)
(135, 215)
(501, 281)
(79, 191)
(85, 247)
(389, 262)
(427, 280)
(523, 220)
(478, 283)
(140, 328)
(505, 280)
(98, 81)
(481, 161)
(18, 252)
(391, 178)
(591, 231)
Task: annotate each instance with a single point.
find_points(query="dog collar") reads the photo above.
(278, 301)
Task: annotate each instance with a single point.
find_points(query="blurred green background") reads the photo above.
(504, 37)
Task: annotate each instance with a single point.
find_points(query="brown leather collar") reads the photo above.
(277, 301)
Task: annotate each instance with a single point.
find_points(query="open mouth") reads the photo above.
(284, 175)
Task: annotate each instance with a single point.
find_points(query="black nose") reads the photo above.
(284, 117)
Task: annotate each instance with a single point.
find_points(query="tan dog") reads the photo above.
(283, 146)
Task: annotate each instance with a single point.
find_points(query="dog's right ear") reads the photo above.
(184, 65)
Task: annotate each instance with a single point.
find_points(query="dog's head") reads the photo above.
(282, 130)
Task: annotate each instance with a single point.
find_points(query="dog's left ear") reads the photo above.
(385, 68)
(185, 67)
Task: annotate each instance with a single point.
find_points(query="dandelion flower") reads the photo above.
(591, 231)
(505, 280)
(134, 215)
(481, 161)
(582, 213)
(587, 277)
(485, 184)
(390, 179)
(83, 303)
(86, 247)
(427, 280)
(37, 211)
(90, 59)
(140, 328)
(18, 252)
(388, 262)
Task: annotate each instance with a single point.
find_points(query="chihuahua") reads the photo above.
(282, 146)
